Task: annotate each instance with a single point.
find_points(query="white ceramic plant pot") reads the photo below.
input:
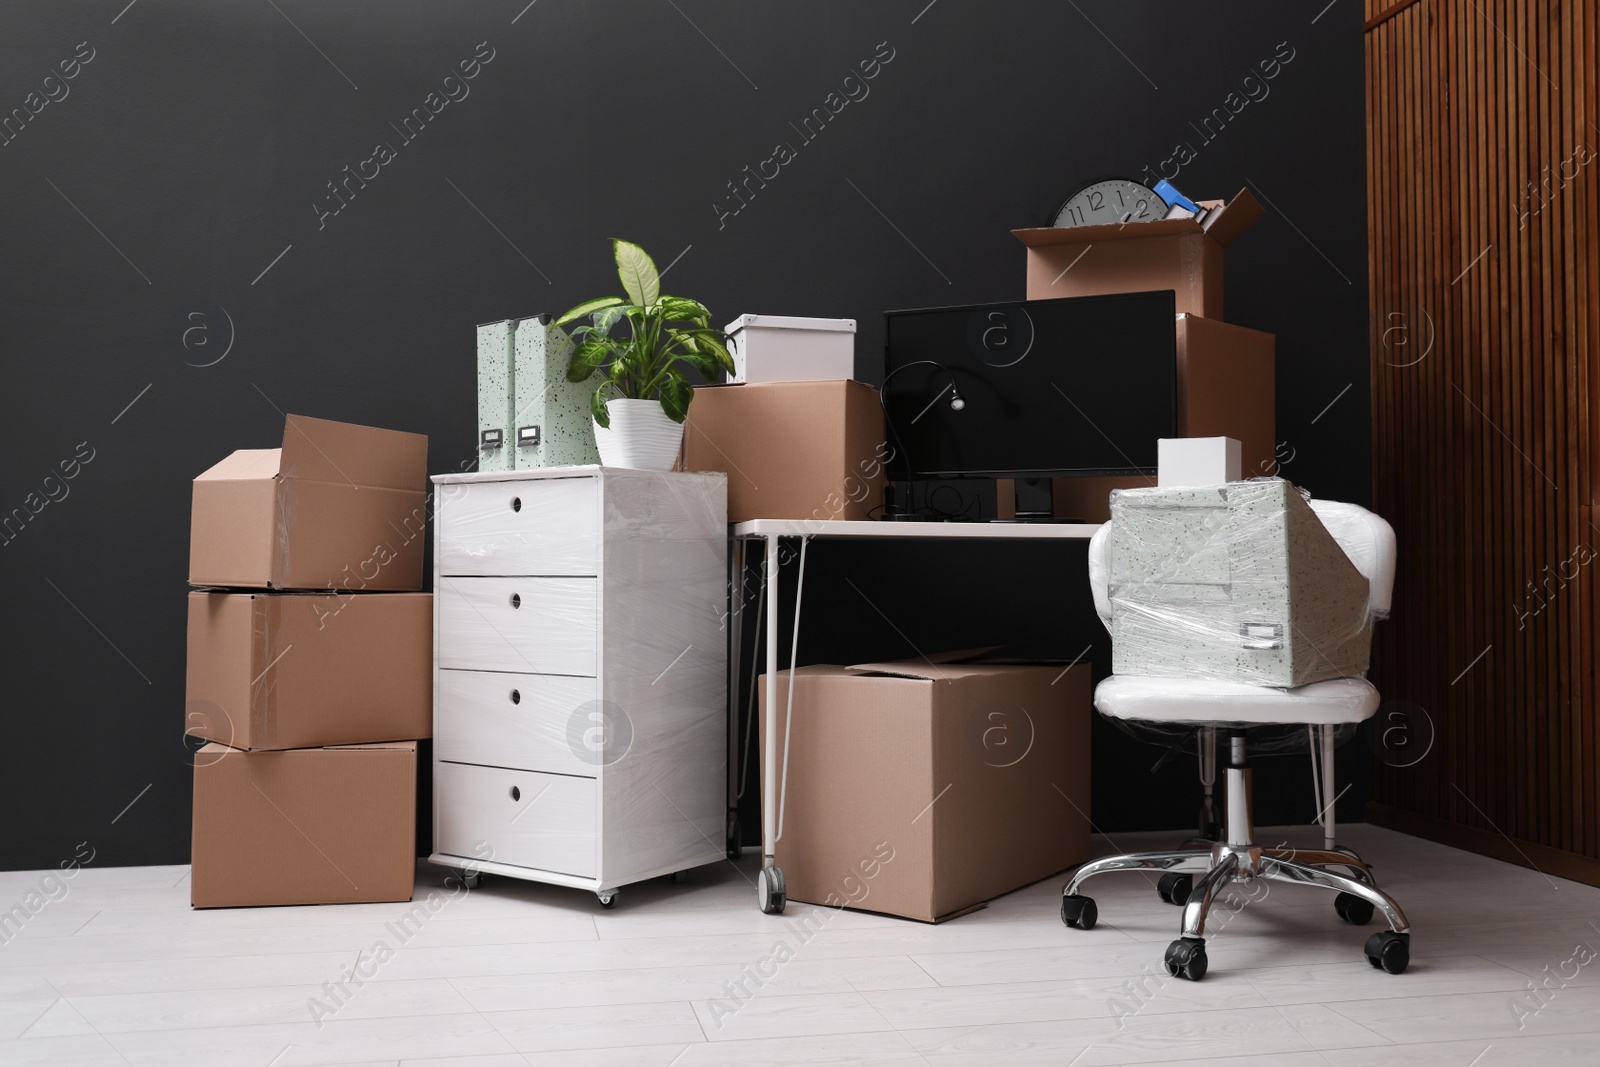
(641, 436)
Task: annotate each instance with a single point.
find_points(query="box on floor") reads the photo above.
(273, 670)
(339, 506)
(791, 450)
(304, 826)
(923, 789)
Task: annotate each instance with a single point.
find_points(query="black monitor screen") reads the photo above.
(1076, 386)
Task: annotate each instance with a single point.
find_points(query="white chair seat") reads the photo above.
(1188, 700)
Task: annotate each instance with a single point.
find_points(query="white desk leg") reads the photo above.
(1328, 795)
(769, 883)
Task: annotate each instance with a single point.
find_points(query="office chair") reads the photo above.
(1235, 709)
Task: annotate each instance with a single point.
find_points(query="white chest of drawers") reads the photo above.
(580, 674)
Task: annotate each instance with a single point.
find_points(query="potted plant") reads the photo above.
(643, 394)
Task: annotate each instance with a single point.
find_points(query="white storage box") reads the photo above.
(779, 348)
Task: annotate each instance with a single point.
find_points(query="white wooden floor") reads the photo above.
(121, 971)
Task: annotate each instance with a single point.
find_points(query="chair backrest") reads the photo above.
(1366, 538)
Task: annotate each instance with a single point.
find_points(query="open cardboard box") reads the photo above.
(1178, 254)
(304, 826)
(270, 670)
(338, 506)
(924, 789)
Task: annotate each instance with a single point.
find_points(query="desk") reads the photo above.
(774, 771)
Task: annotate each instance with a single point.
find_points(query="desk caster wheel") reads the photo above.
(735, 843)
(1175, 888)
(1079, 911)
(471, 879)
(1186, 958)
(770, 891)
(1389, 950)
(1353, 909)
(608, 898)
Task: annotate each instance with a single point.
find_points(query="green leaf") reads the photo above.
(706, 364)
(676, 393)
(597, 408)
(588, 307)
(679, 307)
(604, 320)
(588, 358)
(637, 271)
(712, 341)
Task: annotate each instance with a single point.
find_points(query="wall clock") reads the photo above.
(1110, 200)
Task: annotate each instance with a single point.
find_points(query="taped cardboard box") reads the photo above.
(1226, 388)
(339, 506)
(304, 826)
(791, 450)
(275, 671)
(1178, 254)
(923, 790)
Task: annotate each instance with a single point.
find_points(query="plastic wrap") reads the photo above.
(1233, 583)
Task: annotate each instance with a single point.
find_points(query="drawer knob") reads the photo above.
(516, 794)
(516, 600)
(516, 503)
(516, 696)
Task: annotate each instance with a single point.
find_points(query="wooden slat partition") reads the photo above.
(1483, 162)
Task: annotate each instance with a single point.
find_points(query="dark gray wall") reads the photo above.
(168, 197)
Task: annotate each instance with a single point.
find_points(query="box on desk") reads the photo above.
(338, 506)
(1178, 254)
(277, 671)
(791, 450)
(924, 789)
(304, 826)
(1226, 388)
(1239, 583)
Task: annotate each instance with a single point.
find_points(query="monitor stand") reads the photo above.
(1026, 500)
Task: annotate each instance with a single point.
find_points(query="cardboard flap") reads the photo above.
(1225, 226)
(245, 465)
(384, 746)
(318, 450)
(1043, 236)
(941, 666)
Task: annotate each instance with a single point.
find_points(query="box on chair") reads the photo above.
(1239, 583)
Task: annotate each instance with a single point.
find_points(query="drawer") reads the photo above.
(532, 721)
(522, 625)
(545, 821)
(542, 526)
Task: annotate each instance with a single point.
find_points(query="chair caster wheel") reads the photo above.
(1079, 911)
(1389, 950)
(1186, 958)
(679, 877)
(1353, 909)
(1175, 888)
(770, 892)
(608, 899)
(735, 842)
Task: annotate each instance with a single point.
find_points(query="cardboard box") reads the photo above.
(304, 826)
(783, 348)
(273, 670)
(1237, 583)
(791, 450)
(1178, 254)
(923, 790)
(1227, 387)
(338, 506)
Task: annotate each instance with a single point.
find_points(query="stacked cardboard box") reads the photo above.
(1226, 374)
(309, 667)
(797, 436)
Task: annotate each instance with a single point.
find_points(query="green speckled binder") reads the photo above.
(552, 425)
(495, 396)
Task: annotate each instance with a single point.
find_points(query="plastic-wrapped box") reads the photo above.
(1238, 582)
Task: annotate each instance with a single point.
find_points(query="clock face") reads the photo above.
(1111, 200)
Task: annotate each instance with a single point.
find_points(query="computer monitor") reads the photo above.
(1031, 389)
